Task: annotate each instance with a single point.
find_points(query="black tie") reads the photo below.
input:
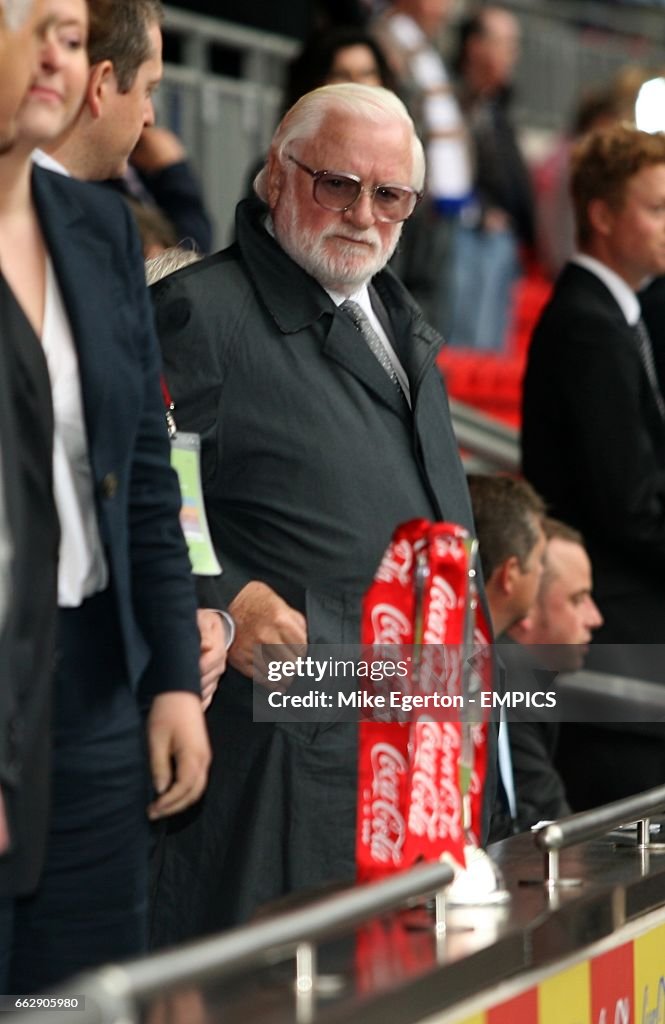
(646, 355)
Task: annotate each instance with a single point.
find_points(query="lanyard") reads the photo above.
(169, 406)
(185, 459)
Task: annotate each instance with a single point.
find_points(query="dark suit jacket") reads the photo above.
(310, 460)
(652, 301)
(96, 257)
(177, 193)
(533, 738)
(593, 444)
(539, 790)
(26, 641)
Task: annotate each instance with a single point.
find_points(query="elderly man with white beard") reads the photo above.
(310, 375)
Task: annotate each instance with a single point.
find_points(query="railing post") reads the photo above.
(305, 967)
(305, 982)
(552, 868)
(440, 913)
(643, 834)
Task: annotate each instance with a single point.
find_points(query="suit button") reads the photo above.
(109, 485)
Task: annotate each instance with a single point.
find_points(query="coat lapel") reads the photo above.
(416, 343)
(296, 302)
(347, 347)
(82, 264)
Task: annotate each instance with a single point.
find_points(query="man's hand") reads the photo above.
(262, 617)
(4, 826)
(213, 652)
(179, 752)
(184, 1006)
(156, 149)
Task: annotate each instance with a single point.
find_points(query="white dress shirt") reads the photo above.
(82, 569)
(43, 159)
(5, 551)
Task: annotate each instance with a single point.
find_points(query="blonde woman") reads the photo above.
(126, 631)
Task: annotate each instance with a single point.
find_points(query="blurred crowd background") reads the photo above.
(546, 73)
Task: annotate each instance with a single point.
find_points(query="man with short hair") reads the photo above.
(125, 53)
(557, 631)
(564, 616)
(310, 375)
(116, 123)
(508, 516)
(593, 437)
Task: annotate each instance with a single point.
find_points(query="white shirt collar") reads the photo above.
(46, 161)
(625, 296)
(361, 296)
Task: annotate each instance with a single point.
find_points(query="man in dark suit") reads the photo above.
(115, 125)
(508, 516)
(555, 633)
(125, 47)
(652, 303)
(319, 436)
(593, 438)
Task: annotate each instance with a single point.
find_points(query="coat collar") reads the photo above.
(293, 298)
(624, 296)
(296, 301)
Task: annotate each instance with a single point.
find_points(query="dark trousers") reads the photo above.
(278, 815)
(90, 906)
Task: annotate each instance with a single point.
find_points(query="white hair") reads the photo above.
(167, 262)
(372, 102)
(15, 12)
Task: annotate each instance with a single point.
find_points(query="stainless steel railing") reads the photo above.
(594, 823)
(116, 991)
(492, 445)
(225, 121)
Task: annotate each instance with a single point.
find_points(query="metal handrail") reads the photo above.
(228, 33)
(605, 697)
(495, 442)
(622, 20)
(592, 824)
(115, 990)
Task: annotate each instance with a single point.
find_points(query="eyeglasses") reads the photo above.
(338, 192)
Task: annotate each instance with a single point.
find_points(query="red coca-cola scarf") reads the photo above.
(412, 774)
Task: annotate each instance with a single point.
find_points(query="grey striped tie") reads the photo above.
(646, 354)
(374, 343)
